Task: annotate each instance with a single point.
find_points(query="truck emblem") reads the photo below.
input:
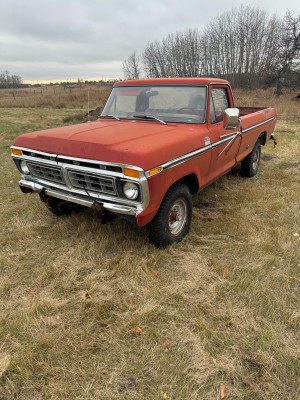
(206, 141)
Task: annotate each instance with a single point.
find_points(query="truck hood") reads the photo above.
(144, 144)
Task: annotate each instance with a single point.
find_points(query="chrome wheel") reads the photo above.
(256, 157)
(177, 217)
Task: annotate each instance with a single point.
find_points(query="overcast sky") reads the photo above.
(89, 39)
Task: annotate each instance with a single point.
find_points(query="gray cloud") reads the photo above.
(68, 39)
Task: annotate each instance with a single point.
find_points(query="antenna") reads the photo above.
(89, 105)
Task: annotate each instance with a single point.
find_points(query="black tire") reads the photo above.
(250, 164)
(173, 219)
(60, 207)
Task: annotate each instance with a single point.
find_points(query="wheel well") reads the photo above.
(191, 181)
(262, 138)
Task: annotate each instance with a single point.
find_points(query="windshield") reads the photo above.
(185, 104)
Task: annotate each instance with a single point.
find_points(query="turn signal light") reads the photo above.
(16, 152)
(155, 171)
(133, 173)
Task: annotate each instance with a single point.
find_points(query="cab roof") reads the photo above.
(172, 81)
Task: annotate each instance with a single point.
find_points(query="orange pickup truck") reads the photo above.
(157, 142)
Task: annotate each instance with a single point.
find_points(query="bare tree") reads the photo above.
(178, 54)
(131, 67)
(288, 52)
(9, 81)
(240, 45)
(244, 45)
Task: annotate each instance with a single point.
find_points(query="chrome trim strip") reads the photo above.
(228, 134)
(97, 162)
(258, 125)
(188, 156)
(43, 153)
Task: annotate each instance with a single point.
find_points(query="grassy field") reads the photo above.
(91, 311)
(56, 96)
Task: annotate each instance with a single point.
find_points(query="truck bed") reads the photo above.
(249, 110)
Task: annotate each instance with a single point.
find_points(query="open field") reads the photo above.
(219, 309)
(56, 96)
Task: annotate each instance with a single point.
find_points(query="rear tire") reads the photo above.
(173, 219)
(250, 164)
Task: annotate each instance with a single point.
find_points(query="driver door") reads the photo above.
(221, 161)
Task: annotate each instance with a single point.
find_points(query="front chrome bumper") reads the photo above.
(82, 181)
(79, 199)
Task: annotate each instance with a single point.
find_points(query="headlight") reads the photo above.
(130, 190)
(24, 167)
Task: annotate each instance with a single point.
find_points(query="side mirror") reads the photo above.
(231, 118)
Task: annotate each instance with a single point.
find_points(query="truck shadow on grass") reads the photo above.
(208, 204)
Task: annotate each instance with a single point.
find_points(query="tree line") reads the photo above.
(244, 45)
(8, 81)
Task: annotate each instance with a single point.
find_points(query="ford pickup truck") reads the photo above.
(157, 142)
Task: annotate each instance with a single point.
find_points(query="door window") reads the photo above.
(218, 103)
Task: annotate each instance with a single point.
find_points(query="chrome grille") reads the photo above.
(93, 183)
(46, 172)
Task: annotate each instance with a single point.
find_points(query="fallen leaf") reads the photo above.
(130, 302)
(167, 344)
(154, 273)
(224, 271)
(87, 296)
(223, 391)
(212, 268)
(32, 289)
(138, 330)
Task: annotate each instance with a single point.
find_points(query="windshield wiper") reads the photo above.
(150, 117)
(110, 116)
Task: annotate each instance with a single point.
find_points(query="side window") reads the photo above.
(218, 103)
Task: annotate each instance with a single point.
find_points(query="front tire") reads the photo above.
(250, 164)
(173, 219)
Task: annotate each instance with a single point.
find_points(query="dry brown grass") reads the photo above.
(56, 97)
(284, 104)
(73, 291)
